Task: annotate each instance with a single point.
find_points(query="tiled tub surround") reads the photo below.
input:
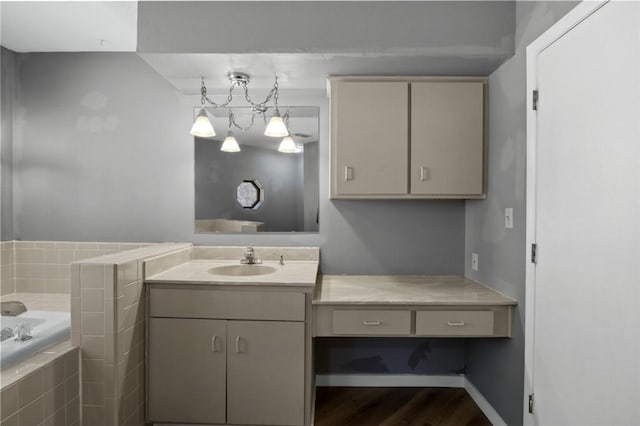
(44, 266)
(43, 389)
(48, 395)
(107, 322)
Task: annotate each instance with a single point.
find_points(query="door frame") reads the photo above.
(572, 19)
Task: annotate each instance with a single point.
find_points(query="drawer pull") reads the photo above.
(214, 347)
(237, 344)
(372, 323)
(455, 323)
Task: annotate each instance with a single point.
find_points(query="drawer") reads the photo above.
(256, 305)
(454, 323)
(371, 322)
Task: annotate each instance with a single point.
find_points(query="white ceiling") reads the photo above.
(69, 26)
(305, 70)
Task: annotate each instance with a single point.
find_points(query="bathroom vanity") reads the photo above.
(230, 343)
(229, 339)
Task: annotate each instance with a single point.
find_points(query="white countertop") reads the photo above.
(293, 273)
(405, 290)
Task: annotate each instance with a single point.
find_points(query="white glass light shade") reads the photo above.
(276, 127)
(230, 144)
(202, 126)
(288, 146)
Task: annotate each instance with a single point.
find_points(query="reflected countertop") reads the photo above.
(405, 290)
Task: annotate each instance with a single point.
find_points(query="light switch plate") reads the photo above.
(508, 218)
(474, 261)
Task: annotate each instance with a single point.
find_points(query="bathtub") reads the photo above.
(47, 328)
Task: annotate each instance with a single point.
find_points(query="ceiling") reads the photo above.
(69, 26)
(304, 70)
(429, 46)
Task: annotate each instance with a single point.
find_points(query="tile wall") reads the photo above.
(108, 323)
(48, 396)
(7, 284)
(44, 266)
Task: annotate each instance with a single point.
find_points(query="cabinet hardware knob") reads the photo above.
(372, 322)
(237, 344)
(455, 323)
(424, 173)
(348, 173)
(214, 347)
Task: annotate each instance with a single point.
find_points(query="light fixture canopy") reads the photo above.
(202, 126)
(288, 146)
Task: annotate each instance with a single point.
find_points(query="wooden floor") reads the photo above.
(337, 406)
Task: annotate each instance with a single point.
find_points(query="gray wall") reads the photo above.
(104, 153)
(100, 150)
(7, 81)
(218, 175)
(496, 367)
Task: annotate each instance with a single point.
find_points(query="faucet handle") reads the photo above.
(249, 252)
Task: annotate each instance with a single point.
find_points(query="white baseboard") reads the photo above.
(391, 380)
(413, 380)
(483, 404)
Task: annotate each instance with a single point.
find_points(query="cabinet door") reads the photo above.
(265, 373)
(187, 370)
(447, 138)
(370, 142)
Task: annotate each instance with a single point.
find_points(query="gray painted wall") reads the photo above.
(218, 175)
(103, 152)
(496, 367)
(7, 81)
(453, 29)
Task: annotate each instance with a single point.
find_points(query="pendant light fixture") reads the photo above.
(202, 126)
(276, 126)
(230, 144)
(288, 146)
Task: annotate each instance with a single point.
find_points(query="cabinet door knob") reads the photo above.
(348, 173)
(455, 323)
(214, 347)
(368, 323)
(424, 173)
(237, 344)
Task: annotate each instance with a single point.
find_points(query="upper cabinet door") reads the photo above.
(369, 138)
(447, 138)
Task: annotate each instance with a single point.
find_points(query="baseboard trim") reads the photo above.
(413, 380)
(391, 380)
(483, 404)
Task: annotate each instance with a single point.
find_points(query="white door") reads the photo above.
(586, 329)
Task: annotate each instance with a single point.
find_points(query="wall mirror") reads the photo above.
(259, 188)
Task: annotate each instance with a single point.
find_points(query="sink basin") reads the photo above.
(242, 270)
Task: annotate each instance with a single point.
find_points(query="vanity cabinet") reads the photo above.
(220, 356)
(406, 138)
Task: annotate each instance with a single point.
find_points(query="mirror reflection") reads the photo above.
(276, 177)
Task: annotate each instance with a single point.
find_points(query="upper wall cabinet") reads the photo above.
(407, 137)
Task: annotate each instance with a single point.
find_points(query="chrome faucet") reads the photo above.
(250, 257)
(22, 332)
